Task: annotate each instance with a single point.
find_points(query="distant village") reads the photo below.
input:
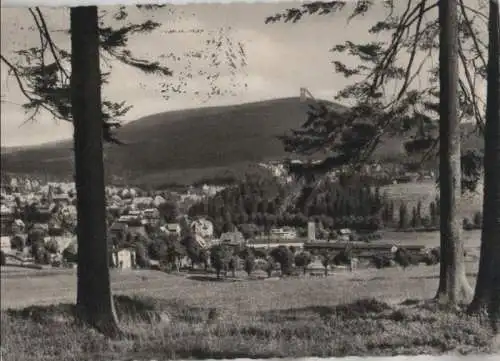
(45, 212)
(30, 207)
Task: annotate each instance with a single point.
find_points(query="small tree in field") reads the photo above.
(204, 258)
(303, 260)
(284, 257)
(52, 246)
(249, 263)
(141, 255)
(192, 249)
(327, 260)
(17, 243)
(220, 256)
(270, 265)
(233, 265)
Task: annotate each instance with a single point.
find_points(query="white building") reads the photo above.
(5, 243)
(172, 228)
(124, 258)
(203, 227)
(283, 233)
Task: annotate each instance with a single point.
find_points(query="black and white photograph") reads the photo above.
(250, 180)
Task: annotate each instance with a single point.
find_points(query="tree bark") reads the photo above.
(94, 299)
(453, 285)
(487, 292)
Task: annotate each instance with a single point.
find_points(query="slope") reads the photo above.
(182, 146)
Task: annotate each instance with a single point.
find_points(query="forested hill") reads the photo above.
(183, 146)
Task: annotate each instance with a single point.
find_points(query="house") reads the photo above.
(152, 215)
(5, 243)
(172, 228)
(158, 200)
(232, 238)
(124, 258)
(283, 233)
(203, 227)
(142, 202)
(129, 219)
(345, 234)
(62, 200)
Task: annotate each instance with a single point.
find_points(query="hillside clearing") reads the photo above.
(426, 192)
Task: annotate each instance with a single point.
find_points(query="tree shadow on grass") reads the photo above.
(410, 310)
(137, 308)
(433, 277)
(358, 309)
(210, 278)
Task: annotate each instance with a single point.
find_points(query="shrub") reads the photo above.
(303, 260)
(432, 257)
(270, 266)
(17, 243)
(260, 253)
(141, 256)
(233, 264)
(157, 250)
(204, 258)
(284, 257)
(327, 260)
(249, 262)
(192, 249)
(41, 256)
(478, 219)
(46, 257)
(381, 261)
(404, 258)
(220, 256)
(70, 254)
(343, 258)
(52, 246)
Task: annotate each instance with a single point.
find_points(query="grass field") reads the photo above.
(357, 313)
(471, 239)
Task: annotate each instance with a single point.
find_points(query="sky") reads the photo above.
(281, 58)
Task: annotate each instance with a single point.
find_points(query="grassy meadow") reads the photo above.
(366, 312)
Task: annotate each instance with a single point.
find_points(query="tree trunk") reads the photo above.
(487, 292)
(453, 285)
(94, 299)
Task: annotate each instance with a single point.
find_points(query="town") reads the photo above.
(172, 229)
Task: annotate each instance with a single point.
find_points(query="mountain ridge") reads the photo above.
(185, 145)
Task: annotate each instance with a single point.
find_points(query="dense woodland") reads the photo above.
(263, 202)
